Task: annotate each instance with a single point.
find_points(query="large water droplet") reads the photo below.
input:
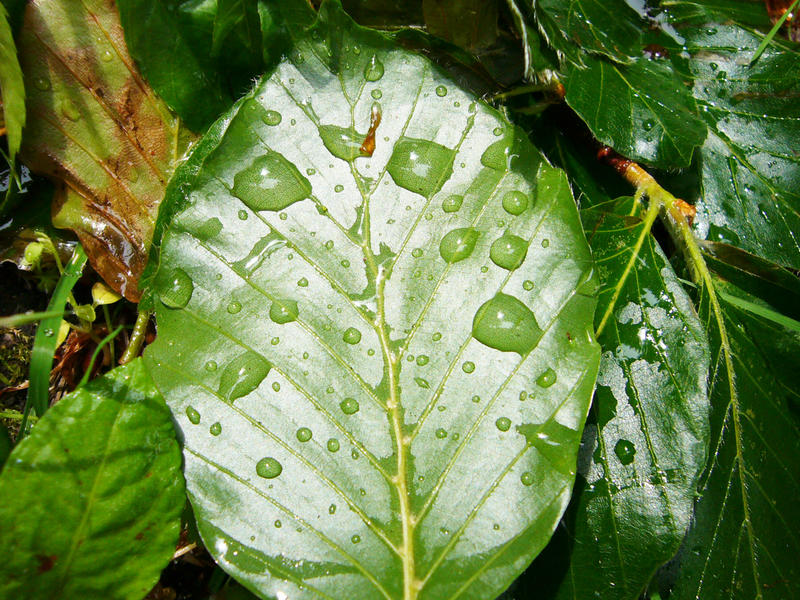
(270, 183)
(515, 203)
(303, 434)
(283, 311)
(352, 335)
(495, 156)
(349, 406)
(262, 250)
(374, 69)
(452, 203)
(547, 378)
(342, 142)
(193, 415)
(625, 451)
(503, 423)
(458, 244)
(242, 375)
(420, 166)
(178, 289)
(269, 468)
(272, 118)
(504, 323)
(508, 251)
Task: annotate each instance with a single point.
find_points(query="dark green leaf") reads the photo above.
(92, 498)
(358, 421)
(642, 110)
(12, 89)
(744, 541)
(471, 24)
(646, 441)
(386, 13)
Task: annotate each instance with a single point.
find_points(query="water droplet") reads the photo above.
(503, 423)
(526, 478)
(303, 434)
(178, 289)
(506, 324)
(441, 91)
(272, 118)
(376, 93)
(440, 433)
(547, 378)
(349, 406)
(270, 183)
(215, 429)
(496, 527)
(211, 366)
(355, 539)
(268, 468)
(527, 285)
(452, 203)
(262, 250)
(342, 142)
(41, 83)
(106, 56)
(243, 215)
(515, 203)
(508, 251)
(276, 386)
(420, 166)
(283, 311)
(422, 360)
(302, 282)
(193, 415)
(69, 110)
(436, 336)
(49, 332)
(278, 524)
(468, 366)
(351, 335)
(374, 69)
(242, 375)
(476, 398)
(523, 395)
(423, 383)
(234, 307)
(625, 451)
(333, 445)
(648, 124)
(275, 341)
(416, 252)
(458, 244)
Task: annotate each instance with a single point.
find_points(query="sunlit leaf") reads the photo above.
(12, 90)
(380, 356)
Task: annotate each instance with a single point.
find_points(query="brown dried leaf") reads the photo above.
(97, 128)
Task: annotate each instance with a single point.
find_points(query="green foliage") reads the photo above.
(12, 89)
(375, 300)
(92, 498)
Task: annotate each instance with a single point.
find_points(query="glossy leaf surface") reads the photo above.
(99, 130)
(92, 498)
(372, 406)
(744, 541)
(645, 444)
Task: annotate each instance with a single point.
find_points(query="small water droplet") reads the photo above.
(106, 56)
(374, 69)
(515, 202)
(547, 378)
(302, 282)
(458, 244)
(303, 434)
(440, 433)
(476, 398)
(211, 366)
(376, 93)
(41, 83)
(234, 307)
(69, 110)
(423, 383)
(508, 251)
(272, 118)
(268, 468)
(49, 332)
(441, 91)
(338, 188)
(468, 366)
(503, 423)
(452, 203)
(422, 360)
(498, 131)
(332, 509)
(436, 336)
(526, 478)
(276, 386)
(283, 311)
(278, 524)
(243, 215)
(355, 539)
(506, 324)
(625, 451)
(333, 445)
(349, 406)
(648, 124)
(351, 335)
(523, 395)
(178, 289)
(193, 415)
(545, 243)
(527, 285)
(416, 252)
(215, 429)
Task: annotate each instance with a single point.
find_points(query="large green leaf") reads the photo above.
(99, 130)
(12, 89)
(92, 498)
(744, 541)
(750, 163)
(372, 406)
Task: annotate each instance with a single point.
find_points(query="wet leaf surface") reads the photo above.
(95, 127)
(92, 498)
(380, 364)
